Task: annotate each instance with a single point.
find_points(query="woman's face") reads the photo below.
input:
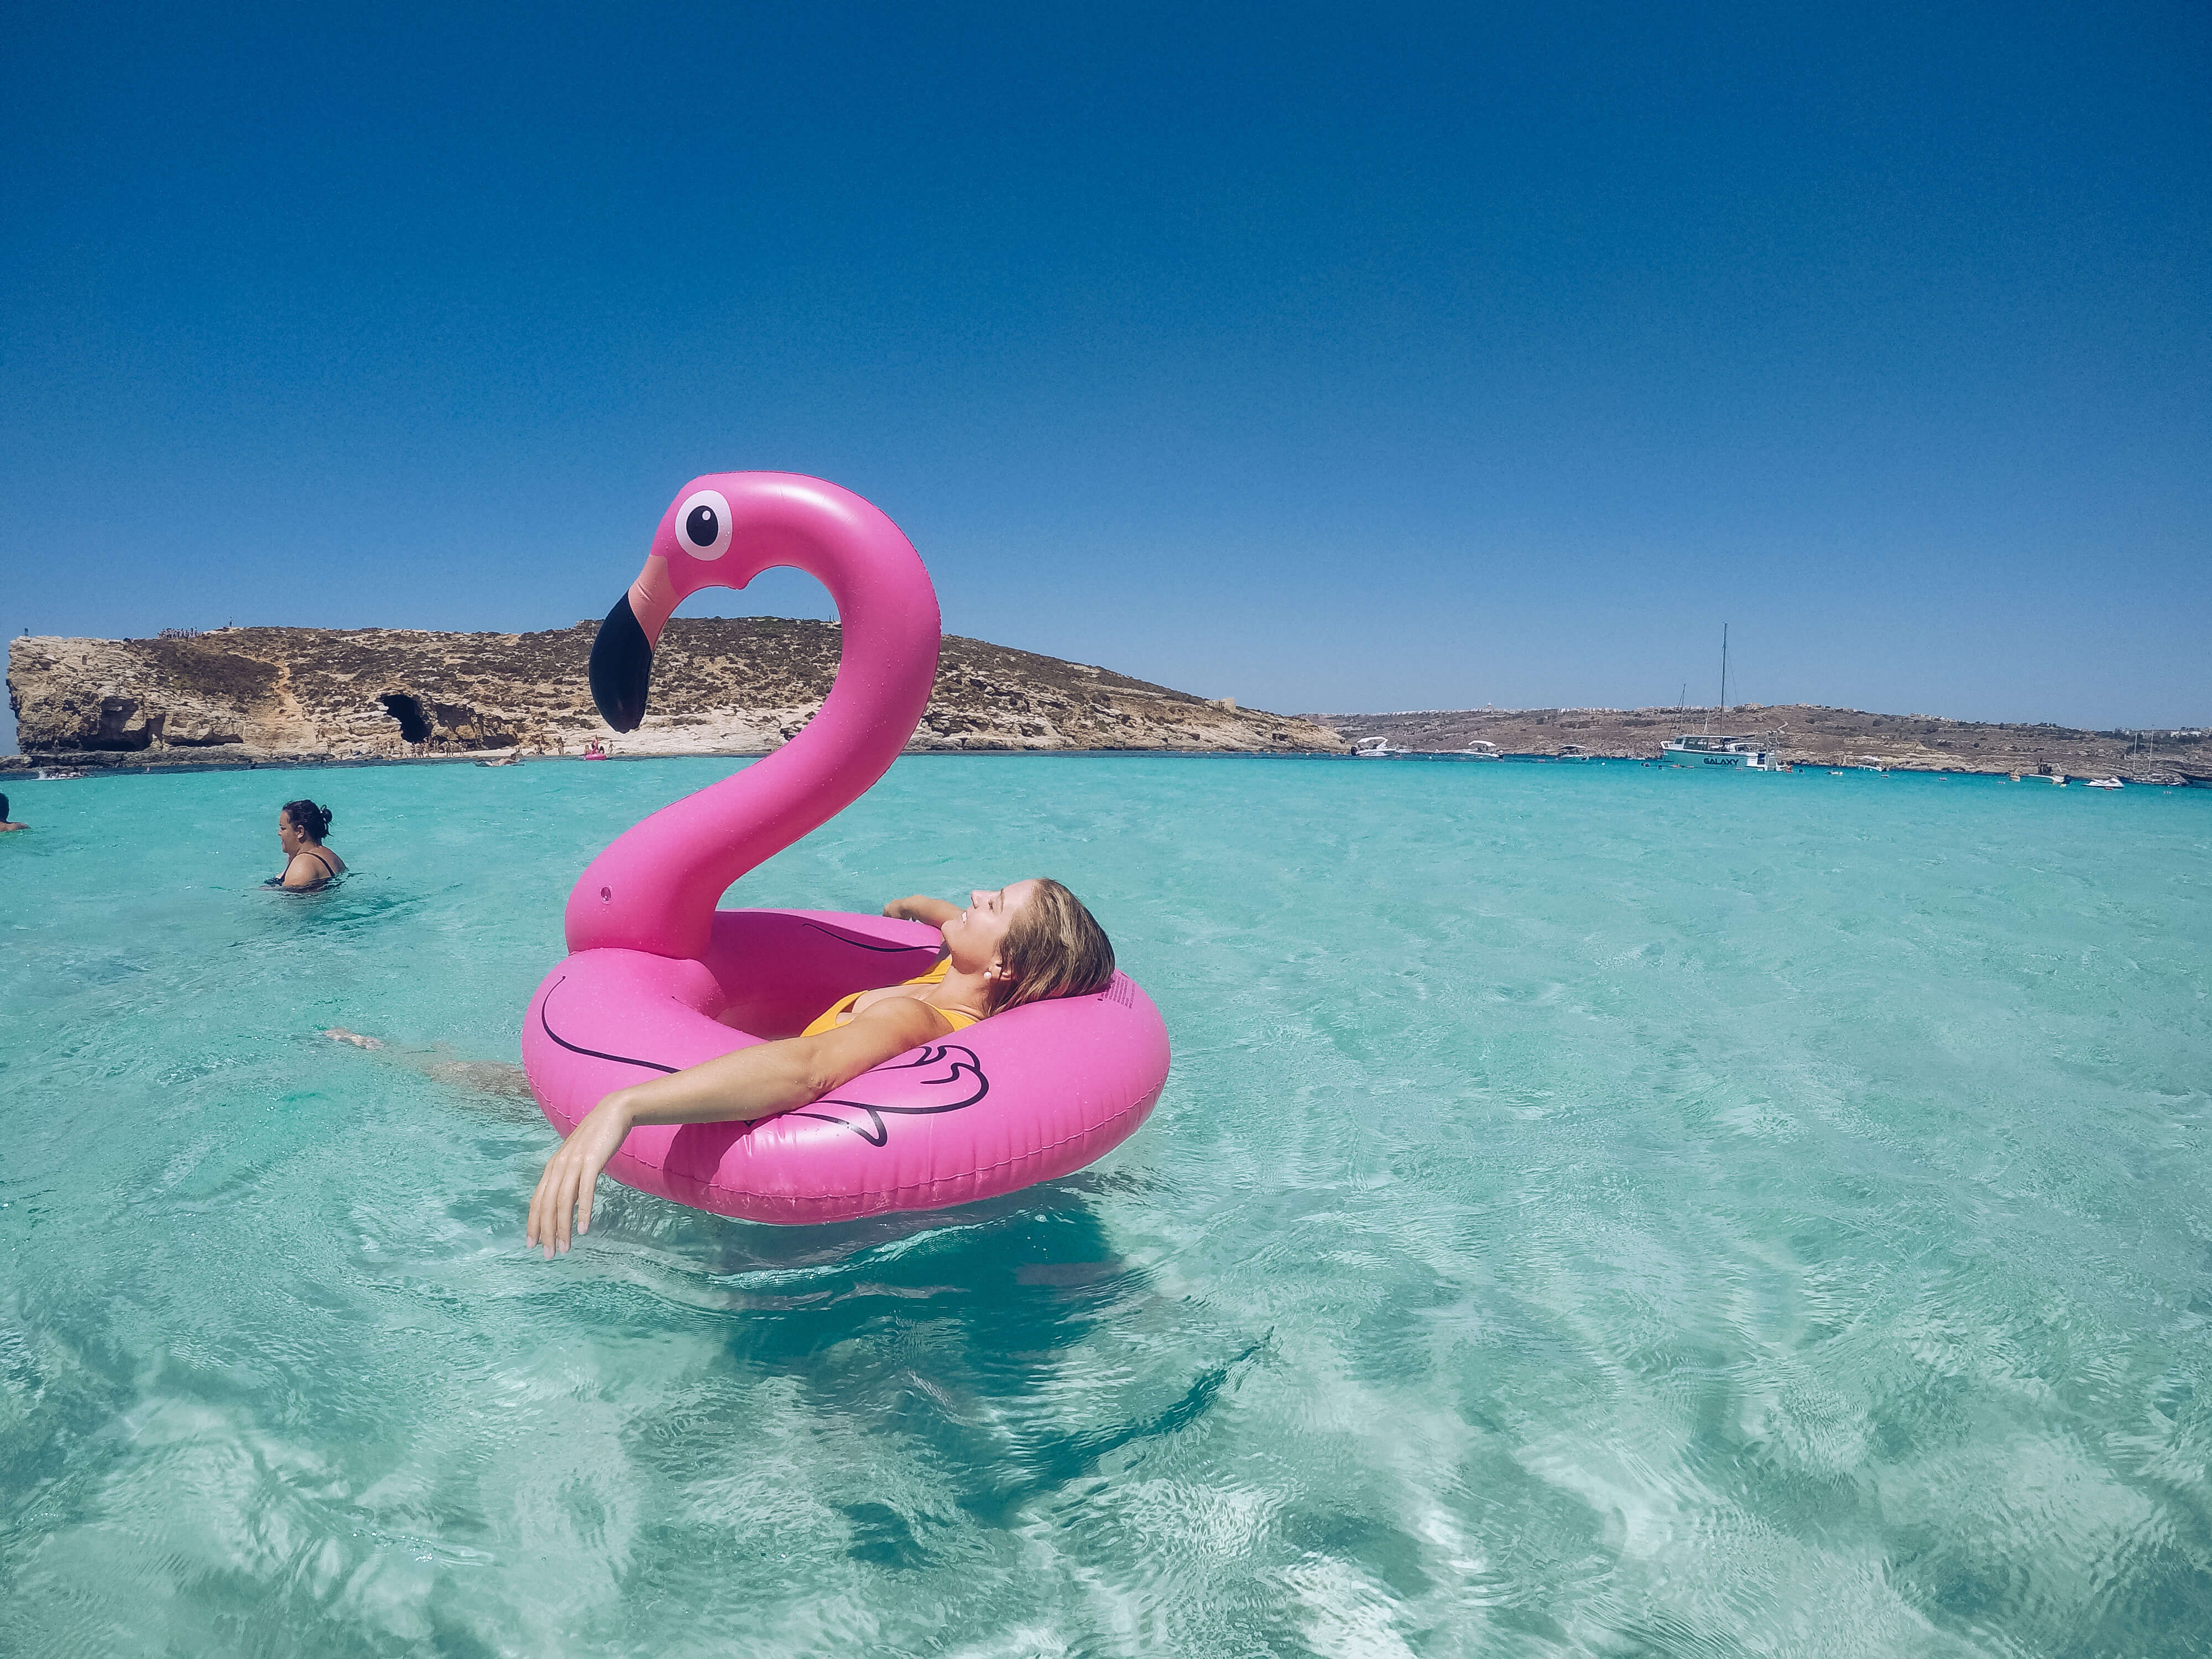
(973, 936)
(287, 834)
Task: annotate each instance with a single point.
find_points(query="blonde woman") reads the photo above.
(1021, 942)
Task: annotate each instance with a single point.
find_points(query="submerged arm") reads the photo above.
(749, 1084)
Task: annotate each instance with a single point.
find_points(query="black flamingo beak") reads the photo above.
(621, 666)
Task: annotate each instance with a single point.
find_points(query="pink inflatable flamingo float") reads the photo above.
(658, 980)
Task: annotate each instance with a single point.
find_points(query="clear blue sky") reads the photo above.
(1333, 358)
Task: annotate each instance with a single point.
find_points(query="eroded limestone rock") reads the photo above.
(743, 685)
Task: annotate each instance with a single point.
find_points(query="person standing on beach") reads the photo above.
(5, 824)
(300, 827)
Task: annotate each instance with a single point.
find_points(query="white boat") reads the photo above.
(1478, 750)
(1575, 751)
(2102, 783)
(1375, 748)
(1740, 753)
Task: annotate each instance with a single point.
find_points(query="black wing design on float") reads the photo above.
(867, 945)
(950, 1077)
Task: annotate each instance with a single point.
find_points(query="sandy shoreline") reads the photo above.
(36, 770)
(95, 765)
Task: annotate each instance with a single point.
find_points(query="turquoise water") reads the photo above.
(1594, 1211)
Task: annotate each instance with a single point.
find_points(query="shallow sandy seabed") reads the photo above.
(1594, 1210)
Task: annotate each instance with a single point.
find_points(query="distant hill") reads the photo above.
(740, 686)
(1799, 732)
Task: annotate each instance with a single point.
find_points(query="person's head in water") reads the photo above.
(5, 824)
(302, 823)
(1032, 940)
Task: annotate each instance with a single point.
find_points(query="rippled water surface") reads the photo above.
(1595, 1210)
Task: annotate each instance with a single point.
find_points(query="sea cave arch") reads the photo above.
(414, 724)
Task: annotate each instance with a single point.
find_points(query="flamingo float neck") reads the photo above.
(655, 888)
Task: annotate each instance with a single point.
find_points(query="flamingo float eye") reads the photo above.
(703, 524)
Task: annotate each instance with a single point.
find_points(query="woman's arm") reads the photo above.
(751, 1084)
(301, 871)
(920, 907)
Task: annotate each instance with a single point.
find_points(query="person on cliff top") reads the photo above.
(300, 827)
(5, 824)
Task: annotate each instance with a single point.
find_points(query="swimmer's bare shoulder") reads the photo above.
(306, 872)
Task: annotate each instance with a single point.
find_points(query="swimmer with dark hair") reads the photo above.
(300, 827)
(5, 824)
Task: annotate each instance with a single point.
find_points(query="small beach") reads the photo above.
(1592, 1209)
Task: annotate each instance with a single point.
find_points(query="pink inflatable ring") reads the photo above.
(657, 979)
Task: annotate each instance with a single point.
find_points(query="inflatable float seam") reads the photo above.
(846, 939)
(894, 1193)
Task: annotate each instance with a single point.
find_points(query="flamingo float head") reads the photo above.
(655, 889)
(701, 544)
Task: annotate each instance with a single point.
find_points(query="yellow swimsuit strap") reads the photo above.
(835, 1014)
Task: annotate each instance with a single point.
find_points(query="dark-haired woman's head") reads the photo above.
(302, 824)
(4, 808)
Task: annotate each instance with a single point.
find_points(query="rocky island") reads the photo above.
(255, 695)
(240, 696)
(1804, 734)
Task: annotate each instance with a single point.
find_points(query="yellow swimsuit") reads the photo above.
(843, 1005)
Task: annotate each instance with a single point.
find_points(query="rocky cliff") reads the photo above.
(1801, 734)
(735, 686)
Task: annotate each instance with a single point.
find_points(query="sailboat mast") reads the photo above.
(1723, 673)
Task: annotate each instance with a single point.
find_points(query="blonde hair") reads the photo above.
(1053, 948)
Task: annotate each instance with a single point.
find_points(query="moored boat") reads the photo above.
(1740, 752)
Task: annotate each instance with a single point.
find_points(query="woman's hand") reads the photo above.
(573, 1173)
(920, 907)
(745, 1085)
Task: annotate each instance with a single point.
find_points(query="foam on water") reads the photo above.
(1595, 1210)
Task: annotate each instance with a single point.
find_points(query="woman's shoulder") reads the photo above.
(889, 1026)
(313, 865)
(895, 1001)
